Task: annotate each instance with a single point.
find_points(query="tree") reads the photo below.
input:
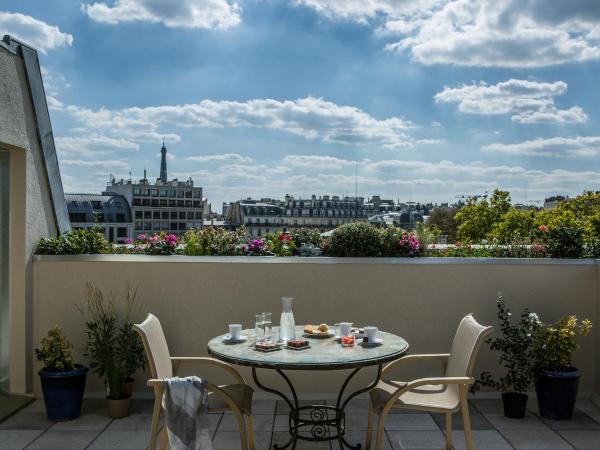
(476, 219)
(443, 220)
(514, 224)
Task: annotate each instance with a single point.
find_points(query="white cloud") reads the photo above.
(92, 144)
(223, 157)
(211, 14)
(316, 162)
(528, 101)
(34, 32)
(312, 118)
(580, 146)
(105, 164)
(365, 10)
(505, 33)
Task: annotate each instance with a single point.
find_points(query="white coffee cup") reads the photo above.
(345, 328)
(371, 333)
(235, 330)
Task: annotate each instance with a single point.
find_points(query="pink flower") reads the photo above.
(129, 241)
(153, 238)
(141, 237)
(171, 239)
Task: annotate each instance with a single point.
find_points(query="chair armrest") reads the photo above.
(442, 357)
(444, 381)
(177, 360)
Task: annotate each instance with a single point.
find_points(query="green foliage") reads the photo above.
(75, 242)
(213, 241)
(389, 240)
(280, 244)
(427, 234)
(443, 220)
(55, 352)
(592, 249)
(516, 348)
(477, 218)
(564, 241)
(355, 239)
(114, 349)
(555, 344)
(515, 224)
(303, 236)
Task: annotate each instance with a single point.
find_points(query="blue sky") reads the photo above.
(433, 99)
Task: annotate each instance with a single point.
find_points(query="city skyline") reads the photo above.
(432, 99)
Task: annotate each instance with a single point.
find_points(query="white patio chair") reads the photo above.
(236, 398)
(447, 394)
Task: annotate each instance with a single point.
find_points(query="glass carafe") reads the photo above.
(287, 326)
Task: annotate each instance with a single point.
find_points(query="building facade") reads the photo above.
(320, 213)
(110, 212)
(171, 206)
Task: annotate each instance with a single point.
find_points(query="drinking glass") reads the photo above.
(267, 325)
(259, 327)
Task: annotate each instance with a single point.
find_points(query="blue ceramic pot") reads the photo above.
(63, 392)
(557, 392)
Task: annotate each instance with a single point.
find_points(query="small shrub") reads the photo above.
(306, 237)
(556, 343)
(75, 242)
(55, 352)
(592, 249)
(564, 241)
(213, 241)
(280, 244)
(157, 244)
(390, 236)
(355, 239)
(255, 247)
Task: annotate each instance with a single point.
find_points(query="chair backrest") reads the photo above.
(465, 347)
(155, 346)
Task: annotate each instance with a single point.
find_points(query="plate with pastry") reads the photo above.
(318, 331)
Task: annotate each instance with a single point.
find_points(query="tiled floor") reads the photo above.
(29, 429)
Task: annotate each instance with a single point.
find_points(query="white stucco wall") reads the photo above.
(421, 299)
(31, 210)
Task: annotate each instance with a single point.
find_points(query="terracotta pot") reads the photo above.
(118, 407)
(128, 387)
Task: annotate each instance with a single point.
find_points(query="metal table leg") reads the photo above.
(318, 421)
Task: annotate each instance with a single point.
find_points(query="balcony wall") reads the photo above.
(419, 299)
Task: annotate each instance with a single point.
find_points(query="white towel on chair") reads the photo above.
(185, 402)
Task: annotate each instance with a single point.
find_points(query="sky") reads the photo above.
(422, 100)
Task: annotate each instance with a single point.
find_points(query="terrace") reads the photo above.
(420, 299)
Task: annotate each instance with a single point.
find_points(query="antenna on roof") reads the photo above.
(355, 178)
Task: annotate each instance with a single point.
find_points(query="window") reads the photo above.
(173, 215)
(156, 214)
(137, 191)
(154, 192)
(190, 215)
(146, 192)
(138, 214)
(121, 232)
(147, 225)
(156, 226)
(198, 215)
(180, 203)
(138, 225)
(77, 217)
(197, 204)
(182, 226)
(163, 202)
(171, 192)
(147, 214)
(145, 202)
(165, 215)
(154, 202)
(172, 203)
(188, 194)
(181, 215)
(179, 194)
(137, 202)
(163, 192)
(197, 193)
(188, 203)
(111, 234)
(173, 226)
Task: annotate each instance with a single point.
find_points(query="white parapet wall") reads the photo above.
(421, 299)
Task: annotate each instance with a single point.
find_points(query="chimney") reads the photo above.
(163, 163)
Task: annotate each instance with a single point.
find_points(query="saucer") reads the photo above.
(227, 339)
(377, 342)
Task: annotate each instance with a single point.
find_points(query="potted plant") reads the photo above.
(557, 380)
(63, 382)
(516, 347)
(114, 349)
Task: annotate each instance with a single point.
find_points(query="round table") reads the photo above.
(324, 354)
